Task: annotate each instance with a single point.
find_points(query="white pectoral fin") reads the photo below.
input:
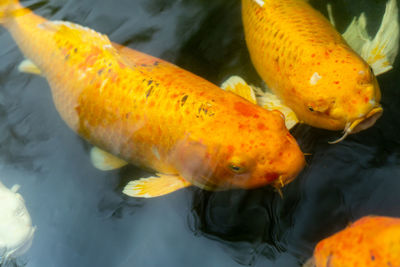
(381, 51)
(28, 66)
(237, 85)
(105, 161)
(155, 186)
(270, 101)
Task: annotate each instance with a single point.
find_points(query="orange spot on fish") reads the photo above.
(261, 126)
(313, 55)
(336, 82)
(271, 177)
(245, 109)
(122, 65)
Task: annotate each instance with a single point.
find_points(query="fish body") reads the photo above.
(309, 66)
(152, 113)
(370, 241)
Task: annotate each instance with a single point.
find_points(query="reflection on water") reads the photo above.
(83, 219)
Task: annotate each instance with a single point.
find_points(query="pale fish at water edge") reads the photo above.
(16, 230)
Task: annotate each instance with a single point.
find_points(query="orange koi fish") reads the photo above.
(371, 241)
(151, 113)
(310, 66)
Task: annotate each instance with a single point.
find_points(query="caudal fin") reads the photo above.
(6, 8)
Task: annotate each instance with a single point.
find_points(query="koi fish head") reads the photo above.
(254, 156)
(364, 109)
(346, 95)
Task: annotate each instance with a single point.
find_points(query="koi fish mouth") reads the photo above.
(361, 124)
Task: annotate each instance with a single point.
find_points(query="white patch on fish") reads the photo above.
(315, 78)
(361, 72)
(260, 2)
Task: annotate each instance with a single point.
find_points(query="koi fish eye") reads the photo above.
(237, 166)
(310, 109)
(236, 169)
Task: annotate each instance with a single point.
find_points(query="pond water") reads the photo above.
(83, 219)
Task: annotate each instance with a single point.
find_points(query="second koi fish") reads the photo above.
(311, 67)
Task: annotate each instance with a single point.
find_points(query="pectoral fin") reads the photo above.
(270, 101)
(237, 85)
(310, 262)
(28, 66)
(104, 161)
(381, 51)
(155, 186)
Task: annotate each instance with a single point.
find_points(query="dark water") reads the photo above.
(82, 217)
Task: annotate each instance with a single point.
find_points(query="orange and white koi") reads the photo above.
(153, 114)
(312, 69)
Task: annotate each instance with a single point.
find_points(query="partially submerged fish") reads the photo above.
(151, 113)
(371, 241)
(310, 66)
(16, 230)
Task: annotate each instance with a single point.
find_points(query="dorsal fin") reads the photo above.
(73, 31)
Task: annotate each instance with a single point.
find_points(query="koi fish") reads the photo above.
(370, 241)
(139, 109)
(16, 230)
(310, 67)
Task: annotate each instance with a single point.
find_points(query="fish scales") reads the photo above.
(153, 113)
(307, 63)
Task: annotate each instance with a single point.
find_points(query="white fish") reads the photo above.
(16, 230)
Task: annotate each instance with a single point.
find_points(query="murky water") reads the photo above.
(82, 217)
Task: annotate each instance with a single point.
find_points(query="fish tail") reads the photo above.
(6, 9)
